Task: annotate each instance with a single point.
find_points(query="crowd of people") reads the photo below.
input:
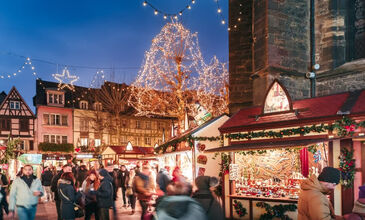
(80, 192)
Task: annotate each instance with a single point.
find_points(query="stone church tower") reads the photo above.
(284, 39)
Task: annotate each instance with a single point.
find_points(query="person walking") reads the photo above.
(68, 195)
(46, 179)
(129, 190)
(206, 198)
(24, 194)
(4, 183)
(104, 194)
(142, 188)
(123, 177)
(54, 187)
(89, 186)
(313, 202)
(163, 179)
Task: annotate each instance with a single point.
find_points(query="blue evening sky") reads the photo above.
(108, 33)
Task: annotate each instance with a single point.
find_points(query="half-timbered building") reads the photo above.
(16, 120)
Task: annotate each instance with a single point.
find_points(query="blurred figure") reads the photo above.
(177, 175)
(54, 187)
(81, 175)
(46, 178)
(205, 197)
(358, 212)
(104, 194)
(179, 204)
(313, 202)
(143, 189)
(4, 183)
(130, 191)
(24, 194)
(89, 187)
(68, 195)
(123, 175)
(163, 179)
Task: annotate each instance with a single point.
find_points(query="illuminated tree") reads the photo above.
(174, 77)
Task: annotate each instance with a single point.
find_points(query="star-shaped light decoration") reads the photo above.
(65, 79)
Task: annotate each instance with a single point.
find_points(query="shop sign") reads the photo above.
(55, 157)
(4, 166)
(30, 158)
(84, 156)
(233, 172)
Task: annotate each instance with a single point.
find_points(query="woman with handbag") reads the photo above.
(129, 190)
(69, 195)
(89, 186)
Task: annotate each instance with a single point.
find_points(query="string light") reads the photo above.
(232, 26)
(165, 14)
(65, 76)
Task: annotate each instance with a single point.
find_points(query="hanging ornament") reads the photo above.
(65, 79)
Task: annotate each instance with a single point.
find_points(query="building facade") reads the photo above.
(80, 117)
(284, 40)
(16, 120)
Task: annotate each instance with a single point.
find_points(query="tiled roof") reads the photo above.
(2, 97)
(304, 110)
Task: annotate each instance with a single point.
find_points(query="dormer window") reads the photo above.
(55, 98)
(83, 105)
(15, 105)
(98, 106)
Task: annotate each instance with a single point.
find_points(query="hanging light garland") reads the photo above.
(233, 24)
(165, 15)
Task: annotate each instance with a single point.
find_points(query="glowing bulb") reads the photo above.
(193, 1)
(223, 21)
(22, 67)
(32, 67)
(28, 58)
(144, 3)
(156, 12)
(239, 19)
(164, 17)
(19, 71)
(175, 17)
(180, 13)
(34, 73)
(14, 74)
(228, 29)
(235, 26)
(219, 10)
(189, 7)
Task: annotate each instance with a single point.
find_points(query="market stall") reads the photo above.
(119, 154)
(271, 148)
(56, 160)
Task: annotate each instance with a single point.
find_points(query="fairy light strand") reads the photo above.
(165, 15)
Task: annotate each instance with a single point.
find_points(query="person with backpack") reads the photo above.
(46, 178)
(130, 190)
(54, 188)
(104, 194)
(24, 194)
(206, 198)
(68, 195)
(179, 205)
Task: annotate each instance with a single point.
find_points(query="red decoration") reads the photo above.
(201, 147)
(77, 149)
(202, 159)
(304, 161)
(201, 171)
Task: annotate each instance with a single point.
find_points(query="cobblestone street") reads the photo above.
(47, 211)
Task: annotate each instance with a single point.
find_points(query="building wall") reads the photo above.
(43, 129)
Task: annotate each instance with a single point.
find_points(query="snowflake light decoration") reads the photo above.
(64, 78)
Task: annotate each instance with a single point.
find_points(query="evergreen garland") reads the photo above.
(347, 167)
(239, 209)
(276, 211)
(343, 127)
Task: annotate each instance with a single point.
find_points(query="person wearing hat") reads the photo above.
(313, 203)
(358, 212)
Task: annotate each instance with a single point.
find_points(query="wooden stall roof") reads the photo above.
(311, 110)
(136, 150)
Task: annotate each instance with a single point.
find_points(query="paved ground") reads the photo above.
(47, 211)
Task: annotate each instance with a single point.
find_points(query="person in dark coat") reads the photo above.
(4, 183)
(68, 195)
(46, 179)
(81, 175)
(163, 179)
(54, 187)
(104, 195)
(205, 197)
(123, 177)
